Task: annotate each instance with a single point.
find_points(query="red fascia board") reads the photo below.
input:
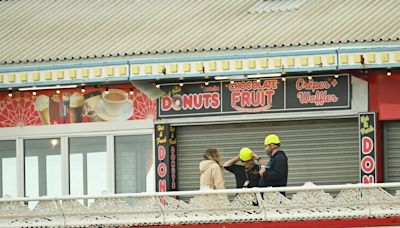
(297, 224)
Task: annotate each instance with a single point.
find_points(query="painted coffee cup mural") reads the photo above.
(114, 105)
(74, 106)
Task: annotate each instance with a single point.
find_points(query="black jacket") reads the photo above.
(241, 175)
(276, 173)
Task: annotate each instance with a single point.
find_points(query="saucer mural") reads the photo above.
(127, 111)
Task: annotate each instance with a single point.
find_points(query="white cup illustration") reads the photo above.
(114, 101)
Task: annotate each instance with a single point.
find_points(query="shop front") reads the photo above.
(316, 118)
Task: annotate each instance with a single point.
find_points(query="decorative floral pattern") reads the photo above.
(18, 110)
(143, 107)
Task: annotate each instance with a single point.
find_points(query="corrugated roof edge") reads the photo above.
(98, 56)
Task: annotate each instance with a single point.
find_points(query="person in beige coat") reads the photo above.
(212, 176)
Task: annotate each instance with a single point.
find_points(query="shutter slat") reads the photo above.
(392, 136)
(320, 151)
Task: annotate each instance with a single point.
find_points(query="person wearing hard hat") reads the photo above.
(246, 175)
(275, 173)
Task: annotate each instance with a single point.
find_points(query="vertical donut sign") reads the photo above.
(173, 157)
(367, 145)
(162, 134)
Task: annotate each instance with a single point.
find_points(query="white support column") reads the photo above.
(20, 166)
(65, 165)
(110, 164)
(151, 176)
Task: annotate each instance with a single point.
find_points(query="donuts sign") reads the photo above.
(166, 155)
(367, 147)
(191, 99)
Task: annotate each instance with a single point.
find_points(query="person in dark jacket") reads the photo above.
(275, 173)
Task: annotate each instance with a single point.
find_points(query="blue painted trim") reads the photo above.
(312, 69)
(66, 82)
(7, 86)
(351, 67)
(386, 65)
(129, 72)
(236, 56)
(62, 66)
(170, 60)
(321, 51)
(368, 66)
(337, 60)
(230, 73)
(227, 56)
(343, 50)
(113, 79)
(159, 77)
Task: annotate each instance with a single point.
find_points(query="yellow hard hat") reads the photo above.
(272, 139)
(246, 154)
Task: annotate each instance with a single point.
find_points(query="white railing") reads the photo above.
(308, 202)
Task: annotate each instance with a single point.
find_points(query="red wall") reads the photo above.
(384, 94)
(384, 99)
(299, 224)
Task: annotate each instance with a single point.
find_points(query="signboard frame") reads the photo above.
(217, 98)
(367, 147)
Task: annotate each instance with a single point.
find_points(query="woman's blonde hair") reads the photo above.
(213, 154)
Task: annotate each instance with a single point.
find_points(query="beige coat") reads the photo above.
(212, 175)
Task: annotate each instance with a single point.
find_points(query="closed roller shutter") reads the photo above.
(392, 151)
(320, 151)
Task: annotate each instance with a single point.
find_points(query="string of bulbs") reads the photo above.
(206, 83)
(58, 91)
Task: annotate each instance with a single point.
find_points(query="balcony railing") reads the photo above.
(308, 202)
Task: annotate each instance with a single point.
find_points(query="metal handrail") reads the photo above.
(208, 192)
